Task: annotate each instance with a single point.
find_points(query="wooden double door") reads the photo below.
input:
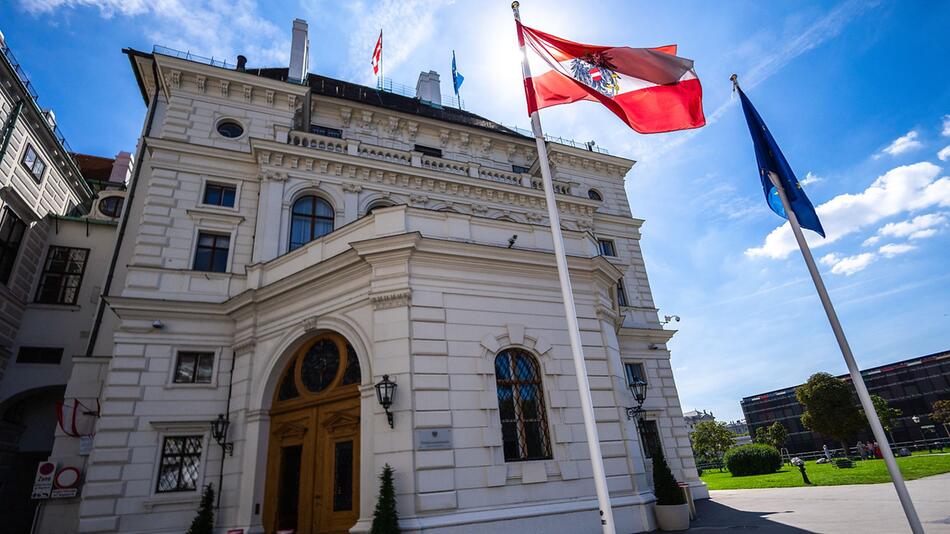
(313, 456)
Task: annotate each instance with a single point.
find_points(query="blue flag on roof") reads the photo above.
(457, 77)
(771, 160)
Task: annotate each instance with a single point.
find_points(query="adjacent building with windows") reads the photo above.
(290, 245)
(912, 386)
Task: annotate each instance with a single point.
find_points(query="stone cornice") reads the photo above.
(300, 161)
(654, 335)
(390, 299)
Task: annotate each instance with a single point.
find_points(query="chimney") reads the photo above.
(427, 88)
(121, 168)
(241, 63)
(299, 52)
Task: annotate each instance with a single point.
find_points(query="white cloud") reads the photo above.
(213, 28)
(903, 144)
(944, 153)
(871, 241)
(899, 190)
(811, 178)
(893, 249)
(946, 126)
(916, 228)
(850, 264)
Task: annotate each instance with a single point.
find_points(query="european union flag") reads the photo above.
(457, 77)
(771, 160)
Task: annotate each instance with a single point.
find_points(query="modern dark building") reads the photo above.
(911, 386)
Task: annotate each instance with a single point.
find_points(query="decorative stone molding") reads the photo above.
(309, 324)
(486, 145)
(292, 102)
(350, 187)
(510, 150)
(225, 87)
(412, 129)
(444, 137)
(390, 299)
(200, 83)
(418, 200)
(273, 176)
(464, 140)
(366, 119)
(346, 114)
(247, 345)
(393, 125)
(248, 93)
(269, 96)
(176, 79)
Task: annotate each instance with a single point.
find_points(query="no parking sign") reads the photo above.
(66, 483)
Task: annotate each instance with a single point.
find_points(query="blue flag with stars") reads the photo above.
(771, 160)
(457, 77)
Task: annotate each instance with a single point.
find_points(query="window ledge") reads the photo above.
(174, 385)
(190, 498)
(216, 214)
(48, 306)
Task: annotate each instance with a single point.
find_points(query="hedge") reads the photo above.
(753, 459)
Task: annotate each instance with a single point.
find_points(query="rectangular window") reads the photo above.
(44, 355)
(219, 195)
(62, 275)
(323, 130)
(181, 457)
(33, 163)
(11, 235)
(607, 247)
(429, 151)
(634, 371)
(520, 169)
(211, 254)
(194, 367)
(621, 294)
(650, 438)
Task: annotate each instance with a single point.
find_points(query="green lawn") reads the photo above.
(863, 472)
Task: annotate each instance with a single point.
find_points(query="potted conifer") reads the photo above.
(385, 517)
(672, 510)
(204, 521)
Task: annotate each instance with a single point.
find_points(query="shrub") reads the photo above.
(665, 488)
(754, 459)
(385, 517)
(204, 521)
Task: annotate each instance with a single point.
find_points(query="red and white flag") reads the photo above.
(650, 89)
(378, 54)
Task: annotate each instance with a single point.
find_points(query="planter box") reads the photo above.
(672, 517)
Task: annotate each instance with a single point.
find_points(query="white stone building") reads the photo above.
(289, 244)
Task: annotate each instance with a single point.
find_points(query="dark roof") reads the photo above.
(325, 86)
(94, 167)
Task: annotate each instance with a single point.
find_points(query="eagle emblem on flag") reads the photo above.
(595, 71)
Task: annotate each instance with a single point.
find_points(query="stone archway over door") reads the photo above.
(313, 453)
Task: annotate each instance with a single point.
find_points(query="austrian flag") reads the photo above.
(650, 89)
(378, 54)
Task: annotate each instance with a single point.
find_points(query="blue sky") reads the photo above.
(855, 93)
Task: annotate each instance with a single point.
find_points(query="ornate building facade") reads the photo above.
(292, 244)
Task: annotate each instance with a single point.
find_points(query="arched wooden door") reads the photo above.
(313, 456)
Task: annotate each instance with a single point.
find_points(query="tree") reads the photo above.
(204, 521)
(385, 517)
(775, 435)
(665, 488)
(711, 439)
(885, 413)
(941, 413)
(829, 407)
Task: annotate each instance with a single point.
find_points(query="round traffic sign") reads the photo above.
(68, 477)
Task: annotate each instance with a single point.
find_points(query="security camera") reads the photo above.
(669, 318)
(511, 241)
(157, 324)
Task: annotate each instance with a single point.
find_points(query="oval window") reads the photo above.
(111, 206)
(230, 129)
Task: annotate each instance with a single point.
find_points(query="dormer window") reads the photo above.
(328, 132)
(520, 169)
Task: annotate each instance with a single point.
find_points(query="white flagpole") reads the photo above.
(580, 366)
(856, 378)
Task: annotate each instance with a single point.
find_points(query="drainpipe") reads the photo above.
(100, 310)
(228, 416)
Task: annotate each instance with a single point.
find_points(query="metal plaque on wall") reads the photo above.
(433, 439)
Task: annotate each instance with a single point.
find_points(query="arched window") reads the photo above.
(319, 368)
(593, 194)
(377, 205)
(524, 428)
(312, 217)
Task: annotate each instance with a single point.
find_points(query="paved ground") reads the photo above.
(859, 509)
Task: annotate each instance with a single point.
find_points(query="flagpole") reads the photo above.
(580, 366)
(856, 377)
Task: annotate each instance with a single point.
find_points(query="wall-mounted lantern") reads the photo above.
(219, 431)
(639, 390)
(385, 391)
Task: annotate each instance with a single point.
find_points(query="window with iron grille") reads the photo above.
(11, 235)
(211, 254)
(62, 275)
(634, 371)
(33, 163)
(429, 151)
(607, 247)
(324, 130)
(524, 428)
(621, 294)
(43, 355)
(181, 457)
(219, 195)
(194, 367)
(650, 438)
